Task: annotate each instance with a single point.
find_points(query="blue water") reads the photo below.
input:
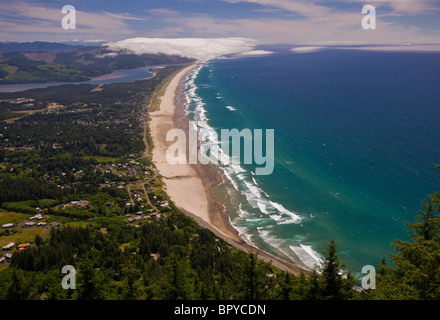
(356, 137)
(128, 75)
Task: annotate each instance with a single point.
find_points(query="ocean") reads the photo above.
(356, 138)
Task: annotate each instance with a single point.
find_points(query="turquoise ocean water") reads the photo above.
(356, 137)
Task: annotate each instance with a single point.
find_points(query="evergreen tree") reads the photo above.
(177, 283)
(335, 285)
(254, 275)
(131, 274)
(302, 287)
(314, 289)
(417, 262)
(286, 287)
(89, 286)
(14, 291)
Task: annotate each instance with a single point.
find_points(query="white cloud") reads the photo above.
(399, 7)
(162, 12)
(95, 40)
(256, 53)
(124, 16)
(305, 49)
(47, 21)
(196, 48)
(337, 26)
(303, 8)
(408, 47)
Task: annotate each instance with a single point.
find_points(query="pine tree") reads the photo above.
(254, 276)
(286, 287)
(177, 283)
(418, 261)
(88, 287)
(131, 274)
(14, 291)
(415, 269)
(314, 289)
(38, 240)
(335, 285)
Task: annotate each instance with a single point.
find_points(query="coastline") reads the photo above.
(190, 186)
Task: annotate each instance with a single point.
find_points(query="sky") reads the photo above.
(303, 22)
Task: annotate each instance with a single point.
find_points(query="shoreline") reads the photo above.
(190, 186)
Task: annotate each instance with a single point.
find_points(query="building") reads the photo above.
(10, 245)
(7, 225)
(55, 224)
(23, 246)
(38, 216)
(136, 218)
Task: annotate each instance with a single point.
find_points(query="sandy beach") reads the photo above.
(189, 186)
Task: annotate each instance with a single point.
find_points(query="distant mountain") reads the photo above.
(72, 64)
(37, 46)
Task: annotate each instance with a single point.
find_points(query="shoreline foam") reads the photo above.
(190, 186)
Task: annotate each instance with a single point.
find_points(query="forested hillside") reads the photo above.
(72, 65)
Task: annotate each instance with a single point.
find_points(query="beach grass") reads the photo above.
(149, 143)
(159, 92)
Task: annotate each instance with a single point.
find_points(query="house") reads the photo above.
(8, 255)
(164, 204)
(7, 225)
(136, 218)
(2, 259)
(10, 245)
(29, 224)
(37, 216)
(23, 246)
(55, 224)
(41, 223)
(81, 203)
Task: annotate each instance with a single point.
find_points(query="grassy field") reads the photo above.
(13, 217)
(103, 159)
(23, 235)
(9, 69)
(77, 224)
